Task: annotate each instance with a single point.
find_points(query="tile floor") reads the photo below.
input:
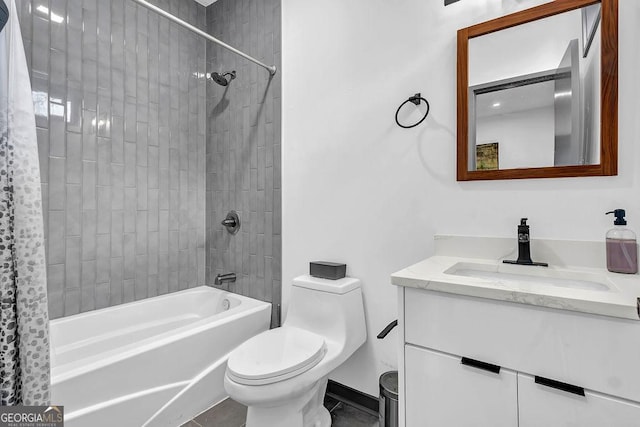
(233, 414)
(345, 415)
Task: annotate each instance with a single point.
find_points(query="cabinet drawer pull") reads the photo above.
(569, 388)
(480, 365)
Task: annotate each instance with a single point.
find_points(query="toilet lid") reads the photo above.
(275, 355)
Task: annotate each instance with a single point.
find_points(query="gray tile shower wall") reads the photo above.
(119, 94)
(243, 148)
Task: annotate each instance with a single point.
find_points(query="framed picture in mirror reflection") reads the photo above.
(487, 157)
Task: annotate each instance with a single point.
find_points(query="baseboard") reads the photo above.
(353, 397)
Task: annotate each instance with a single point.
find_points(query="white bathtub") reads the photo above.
(155, 362)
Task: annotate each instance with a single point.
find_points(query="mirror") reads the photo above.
(537, 93)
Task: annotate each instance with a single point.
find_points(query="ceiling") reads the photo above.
(518, 99)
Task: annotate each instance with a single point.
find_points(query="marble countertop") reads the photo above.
(438, 274)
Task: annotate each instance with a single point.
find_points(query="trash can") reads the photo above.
(388, 408)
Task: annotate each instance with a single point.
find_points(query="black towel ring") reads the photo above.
(415, 99)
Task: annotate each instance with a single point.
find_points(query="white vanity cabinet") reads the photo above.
(441, 391)
(539, 405)
(556, 367)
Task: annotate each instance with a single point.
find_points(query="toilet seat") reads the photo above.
(275, 355)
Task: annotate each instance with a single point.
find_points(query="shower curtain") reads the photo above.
(24, 320)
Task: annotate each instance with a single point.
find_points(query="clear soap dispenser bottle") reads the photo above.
(622, 248)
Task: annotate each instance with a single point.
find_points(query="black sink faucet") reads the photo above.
(524, 247)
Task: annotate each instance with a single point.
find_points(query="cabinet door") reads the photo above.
(441, 391)
(550, 406)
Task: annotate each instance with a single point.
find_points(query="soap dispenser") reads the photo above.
(622, 249)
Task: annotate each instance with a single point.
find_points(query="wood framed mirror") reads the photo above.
(538, 93)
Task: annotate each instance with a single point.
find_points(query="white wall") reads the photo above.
(525, 49)
(526, 138)
(359, 189)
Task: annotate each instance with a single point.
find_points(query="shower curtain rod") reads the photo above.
(270, 68)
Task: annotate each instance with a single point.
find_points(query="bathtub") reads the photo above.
(155, 362)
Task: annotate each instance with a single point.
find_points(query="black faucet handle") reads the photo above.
(524, 248)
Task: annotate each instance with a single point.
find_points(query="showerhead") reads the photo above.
(221, 79)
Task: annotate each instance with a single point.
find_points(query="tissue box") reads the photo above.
(327, 270)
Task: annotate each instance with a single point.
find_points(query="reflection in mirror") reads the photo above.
(534, 93)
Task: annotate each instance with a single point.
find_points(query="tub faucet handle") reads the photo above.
(221, 279)
(231, 222)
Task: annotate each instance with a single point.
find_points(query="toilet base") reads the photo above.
(306, 410)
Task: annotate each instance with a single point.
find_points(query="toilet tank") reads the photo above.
(331, 308)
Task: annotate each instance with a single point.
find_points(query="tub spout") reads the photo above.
(221, 279)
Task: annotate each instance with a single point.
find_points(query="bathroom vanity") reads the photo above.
(490, 344)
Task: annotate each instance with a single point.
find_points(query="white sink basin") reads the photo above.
(526, 276)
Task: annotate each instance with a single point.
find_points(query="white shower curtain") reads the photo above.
(24, 320)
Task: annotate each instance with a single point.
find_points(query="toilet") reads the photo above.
(281, 374)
